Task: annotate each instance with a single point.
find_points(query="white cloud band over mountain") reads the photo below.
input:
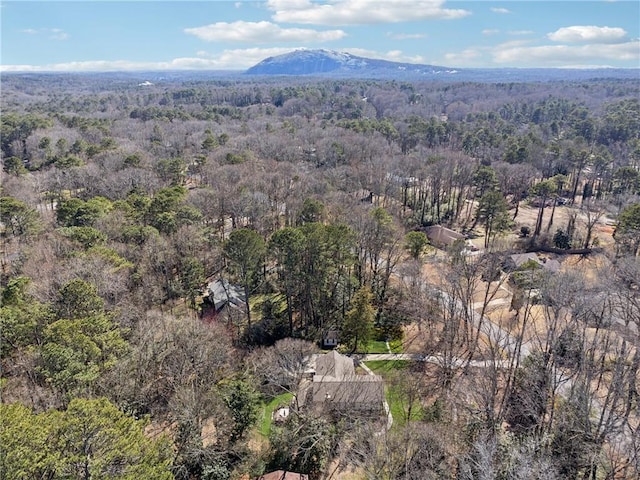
(260, 33)
(361, 12)
(588, 33)
(555, 55)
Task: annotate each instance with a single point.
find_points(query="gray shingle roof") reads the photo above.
(335, 383)
(439, 235)
(335, 365)
(222, 293)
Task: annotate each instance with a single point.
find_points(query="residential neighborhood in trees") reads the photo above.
(223, 277)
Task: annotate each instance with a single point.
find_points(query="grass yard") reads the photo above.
(384, 368)
(267, 412)
(256, 301)
(399, 407)
(379, 346)
(396, 346)
(394, 393)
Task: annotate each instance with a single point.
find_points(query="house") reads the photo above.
(336, 386)
(516, 260)
(442, 237)
(363, 195)
(283, 475)
(334, 364)
(220, 293)
(330, 339)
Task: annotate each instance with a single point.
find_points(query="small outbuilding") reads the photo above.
(330, 339)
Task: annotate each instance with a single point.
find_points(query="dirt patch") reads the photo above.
(160, 428)
(258, 444)
(591, 267)
(349, 472)
(494, 292)
(414, 340)
(527, 216)
(502, 317)
(208, 432)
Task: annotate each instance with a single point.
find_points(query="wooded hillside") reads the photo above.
(175, 254)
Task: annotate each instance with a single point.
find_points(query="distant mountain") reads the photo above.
(332, 64)
(314, 62)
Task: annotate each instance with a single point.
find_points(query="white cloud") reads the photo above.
(238, 59)
(51, 33)
(391, 55)
(406, 36)
(245, 58)
(500, 10)
(513, 44)
(588, 33)
(490, 31)
(520, 32)
(261, 32)
(360, 12)
(112, 65)
(566, 55)
(58, 35)
(464, 58)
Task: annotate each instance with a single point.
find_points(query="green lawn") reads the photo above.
(379, 346)
(375, 346)
(385, 367)
(256, 301)
(393, 393)
(268, 409)
(396, 346)
(399, 407)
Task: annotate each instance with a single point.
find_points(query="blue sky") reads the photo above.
(234, 35)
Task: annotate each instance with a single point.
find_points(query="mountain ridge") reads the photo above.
(331, 63)
(313, 61)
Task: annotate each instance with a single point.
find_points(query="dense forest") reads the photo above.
(175, 255)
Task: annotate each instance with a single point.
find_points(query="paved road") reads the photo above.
(494, 332)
